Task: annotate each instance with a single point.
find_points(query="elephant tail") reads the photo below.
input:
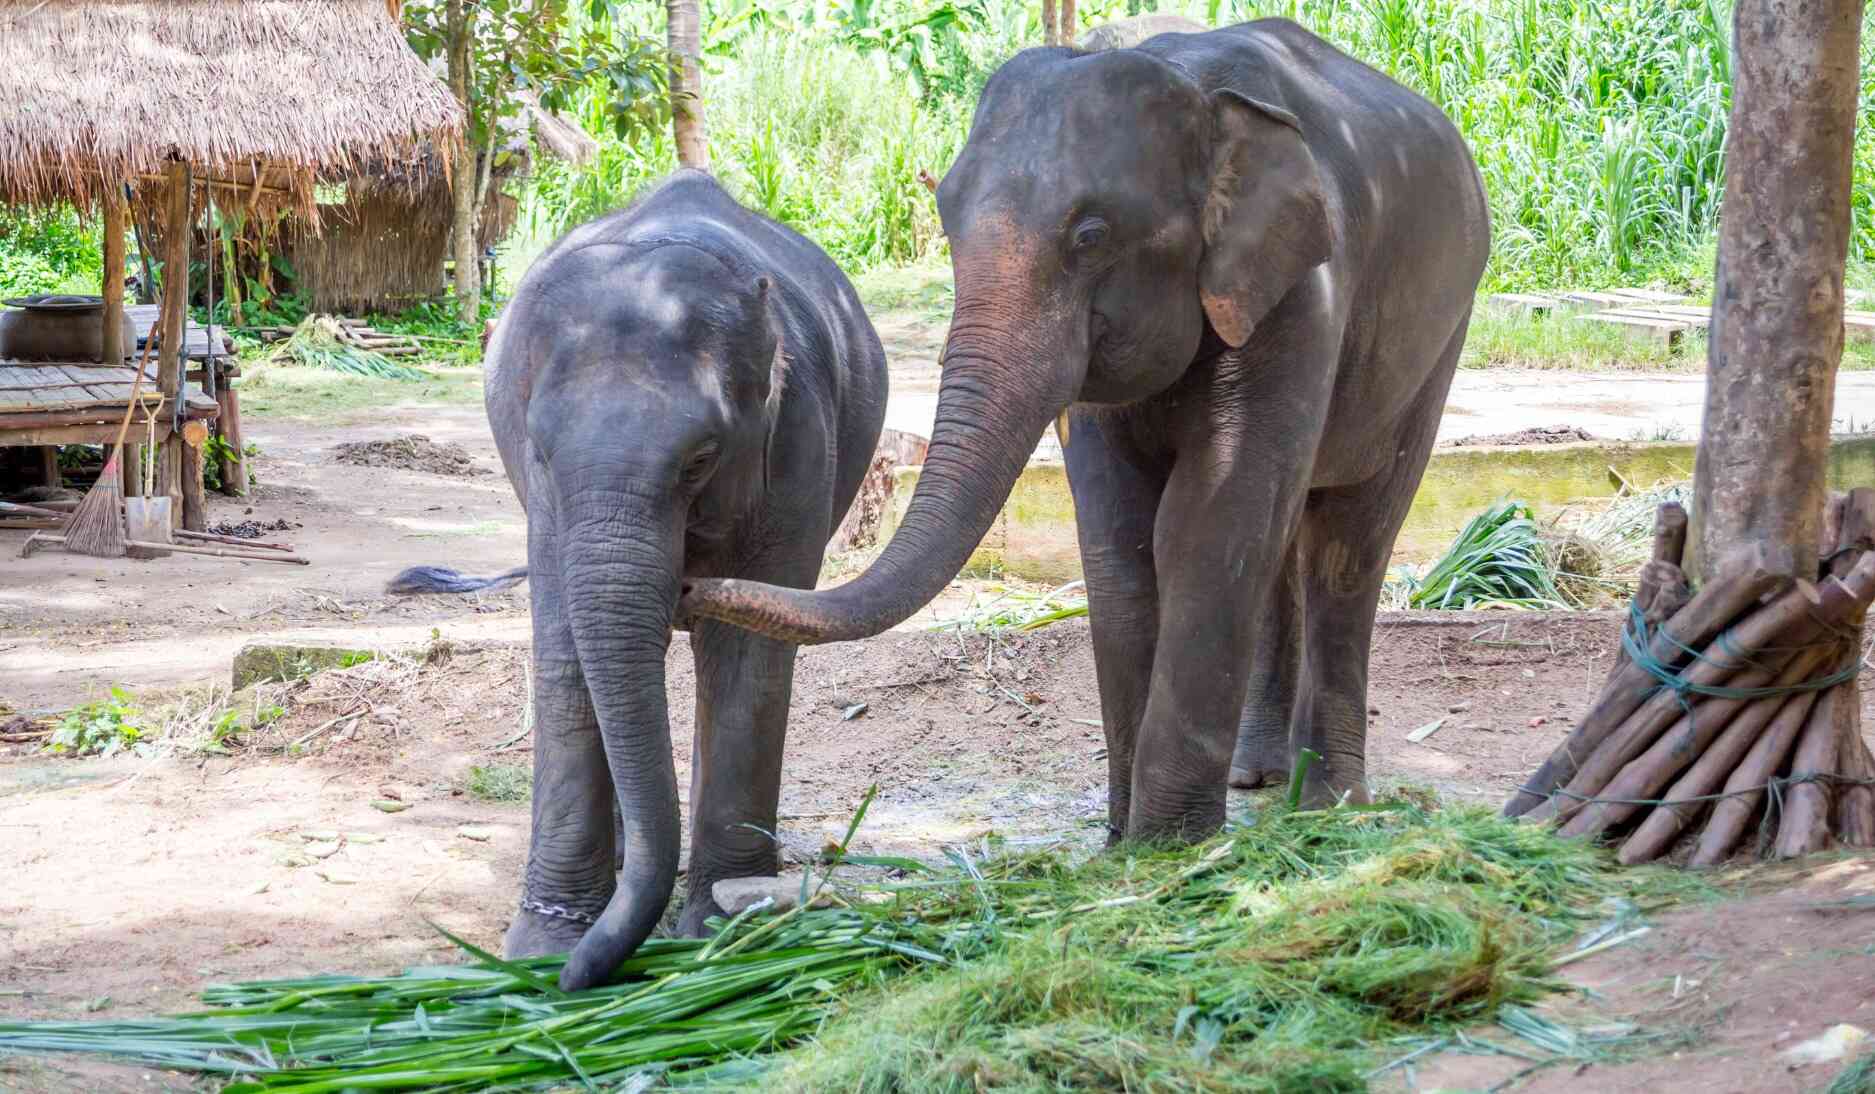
(419, 580)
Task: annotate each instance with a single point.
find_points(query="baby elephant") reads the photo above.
(679, 390)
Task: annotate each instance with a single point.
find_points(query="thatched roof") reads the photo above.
(258, 93)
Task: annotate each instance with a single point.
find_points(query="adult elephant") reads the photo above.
(1242, 263)
(680, 390)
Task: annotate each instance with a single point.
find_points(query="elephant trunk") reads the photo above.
(1000, 390)
(621, 564)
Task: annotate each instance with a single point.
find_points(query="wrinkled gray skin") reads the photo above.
(1243, 264)
(683, 389)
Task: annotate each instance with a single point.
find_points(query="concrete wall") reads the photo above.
(1034, 535)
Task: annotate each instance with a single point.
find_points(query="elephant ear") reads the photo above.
(1265, 217)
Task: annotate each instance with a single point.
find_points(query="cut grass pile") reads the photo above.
(1017, 609)
(1286, 953)
(316, 343)
(1499, 560)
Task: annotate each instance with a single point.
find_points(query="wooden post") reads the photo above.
(194, 500)
(1069, 31)
(228, 425)
(1051, 34)
(170, 368)
(130, 463)
(113, 288)
(1777, 333)
(49, 466)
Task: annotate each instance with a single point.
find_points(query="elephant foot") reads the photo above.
(1251, 778)
(1324, 787)
(535, 935)
(698, 908)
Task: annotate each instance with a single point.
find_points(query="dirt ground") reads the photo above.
(130, 883)
(206, 868)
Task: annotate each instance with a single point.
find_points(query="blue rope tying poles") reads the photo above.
(1636, 638)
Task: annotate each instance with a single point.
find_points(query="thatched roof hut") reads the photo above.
(383, 247)
(258, 97)
(259, 94)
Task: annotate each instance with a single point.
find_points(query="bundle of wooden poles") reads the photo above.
(1733, 704)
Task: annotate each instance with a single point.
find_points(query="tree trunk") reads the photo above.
(1069, 30)
(686, 44)
(1777, 304)
(461, 36)
(1778, 737)
(1051, 35)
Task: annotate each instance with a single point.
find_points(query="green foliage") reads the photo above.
(1598, 125)
(501, 782)
(1276, 956)
(552, 50)
(101, 727)
(823, 124)
(47, 251)
(226, 731)
(1498, 560)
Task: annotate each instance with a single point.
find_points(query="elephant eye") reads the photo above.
(700, 465)
(1090, 233)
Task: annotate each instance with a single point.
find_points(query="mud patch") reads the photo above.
(1524, 438)
(413, 452)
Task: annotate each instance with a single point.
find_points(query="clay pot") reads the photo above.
(57, 328)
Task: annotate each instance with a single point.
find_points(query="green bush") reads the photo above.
(1598, 125)
(47, 251)
(102, 727)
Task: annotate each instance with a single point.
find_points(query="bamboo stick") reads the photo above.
(37, 538)
(1745, 787)
(1804, 826)
(1856, 807)
(1715, 739)
(1709, 611)
(1790, 612)
(1679, 810)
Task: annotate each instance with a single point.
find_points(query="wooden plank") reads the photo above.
(1596, 299)
(98, 384)
(69, 434)
(1650, 296)
(1700, 314)
(1650, 328)
(1525, 303)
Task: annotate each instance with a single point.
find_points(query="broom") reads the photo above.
(97, 525)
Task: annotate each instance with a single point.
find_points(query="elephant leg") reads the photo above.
(1347, 541)
(1263, 756)
(1226, 524)
(744, 684)
(571, 869)
(1116, 494)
